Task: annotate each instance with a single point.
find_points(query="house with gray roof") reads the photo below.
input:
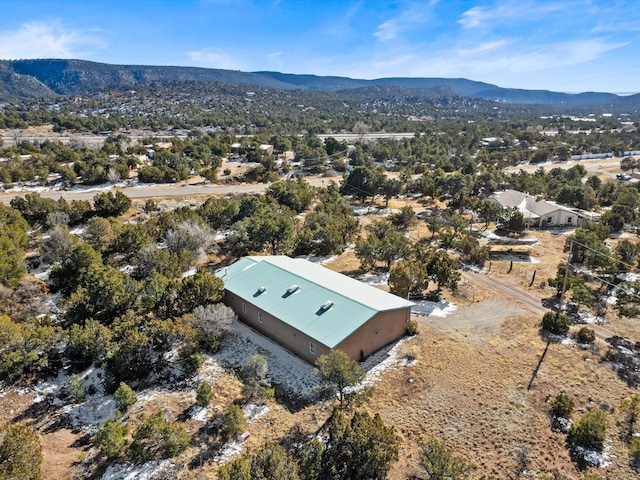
(309, 309)
(539, 213)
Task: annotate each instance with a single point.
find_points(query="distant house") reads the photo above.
(309, 309)
(266, 149)
(235, 148)
(540, 213)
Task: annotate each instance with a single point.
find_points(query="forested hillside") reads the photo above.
(65, 77)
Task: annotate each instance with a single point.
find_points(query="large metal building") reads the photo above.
(309, 309)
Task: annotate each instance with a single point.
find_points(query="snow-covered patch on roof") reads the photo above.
(129, 471)
(433, 309)
(517, 258)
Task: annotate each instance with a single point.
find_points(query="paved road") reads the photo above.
(152, 191)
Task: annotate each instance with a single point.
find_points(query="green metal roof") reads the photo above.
(326, 305)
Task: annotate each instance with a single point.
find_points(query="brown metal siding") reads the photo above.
(381, 330)
(290, 338)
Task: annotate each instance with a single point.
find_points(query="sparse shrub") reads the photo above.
(440, 462)
(253, 374)
(73, 390)
(20, 452)
(412, 328)
(194, 361)
(589, 431)
(125, 397)
(111, 438)
(586, 335)
(557, 323)
(158, 438)
(150, 206)
(227, 171)
(410, 352)
(634, 452)
(562, 405)
(204, 394)
(234, 422)
(631, 408)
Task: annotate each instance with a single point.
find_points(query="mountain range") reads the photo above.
(47, 78)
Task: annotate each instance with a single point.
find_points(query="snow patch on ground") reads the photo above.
(593, 457)
(379, 362)
(628, 277)
(322, 260)
(473, 268)
(374, 278)
(433, 309)
(518, 258)
(221, 235)
(210, 370)
(128, 471)
(128, 269)
(190, 273)
(199, 413)
(43, 275)
(93, 411)
(51, 302)
(285, 369)
(588, 317)
(359, 211)
(562, 231)
(252, 411)
(228, 451)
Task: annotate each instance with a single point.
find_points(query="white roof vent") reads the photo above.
(326, 306)
(291, 290)
(260, 291)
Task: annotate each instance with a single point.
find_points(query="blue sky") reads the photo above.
(561, 45)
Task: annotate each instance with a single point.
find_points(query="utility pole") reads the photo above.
(566, 274)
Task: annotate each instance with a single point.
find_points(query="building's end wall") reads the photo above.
(382, 329)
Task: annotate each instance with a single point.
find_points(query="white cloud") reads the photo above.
(508, 60)
(48, 40)
(413, 15)
(481, 16)
(214, 58)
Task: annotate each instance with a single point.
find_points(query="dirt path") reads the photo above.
(504, 290)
